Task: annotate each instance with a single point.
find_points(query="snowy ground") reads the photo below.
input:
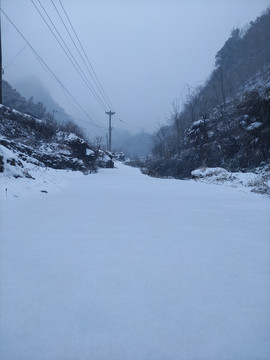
(257, 181)
(117, 265)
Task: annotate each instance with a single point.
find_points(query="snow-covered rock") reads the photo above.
(217, 173)
(254, 126)
(12, 165)
(258, 181)
(104, 160)
(38, 142)
(119, 156)
(90, 152)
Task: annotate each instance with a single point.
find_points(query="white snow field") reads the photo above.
(121, 266)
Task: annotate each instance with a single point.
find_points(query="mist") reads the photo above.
(155, 245)
(143, 52)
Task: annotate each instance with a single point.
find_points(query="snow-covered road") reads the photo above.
(121, 266)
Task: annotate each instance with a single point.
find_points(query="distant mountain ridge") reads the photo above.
(32, 96)
(13, 99)
(32, 87)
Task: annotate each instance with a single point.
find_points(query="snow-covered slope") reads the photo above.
(233, 134)
(118, 265)
(29, 141)
(257, 181)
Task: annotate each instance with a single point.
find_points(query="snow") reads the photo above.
(40, 121)
(73, 137)
(254, 126)
(257, 182)
(118, 265)
(198, 123)
(220, 173)
(69, 137)
(8, 156)
(89, 152)
(65, 152)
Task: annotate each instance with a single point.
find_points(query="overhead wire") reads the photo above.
(86, 56)
(81, 120)
(47, 68)
(127, 123)
(89, 83)
(11, 61)
(68, 52)
(75, 105)
(97, 83)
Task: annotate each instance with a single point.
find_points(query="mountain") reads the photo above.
(225, 122)
(138, 145)
(13, 99)
(30, 137)
(32, 87)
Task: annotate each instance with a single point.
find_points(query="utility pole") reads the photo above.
(110, 113)
(1, 70)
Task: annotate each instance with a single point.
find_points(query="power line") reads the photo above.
(98, 85)
(95, 79)
(81, 120)
(85, 54)
(93, 91)
(68, 53)
(11, 61)
(46, 67)
(137, 127)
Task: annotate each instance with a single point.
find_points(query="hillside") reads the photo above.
(30, 137)
(32, 87)
(40, 105)
(226, 122)
(27, 142)
(13, 99)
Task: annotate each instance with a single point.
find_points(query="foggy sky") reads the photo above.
(144, 52)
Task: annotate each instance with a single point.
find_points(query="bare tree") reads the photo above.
(175, 119)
